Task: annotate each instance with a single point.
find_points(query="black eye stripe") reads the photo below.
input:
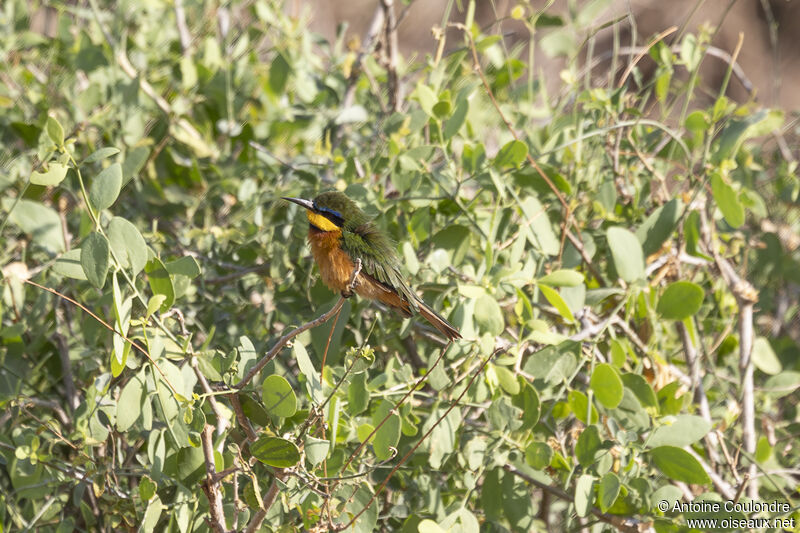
(330, 214)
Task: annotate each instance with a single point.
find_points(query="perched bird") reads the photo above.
(339, 233)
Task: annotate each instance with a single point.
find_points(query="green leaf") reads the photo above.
(641, 389)
(607, 385)
(540, 233)
(538, 455)
(69, 265)
(388, 435)
(151, 515)
(562, 278)
(55, 131)
(659, 226)
(728, 201)
(127, 244)
(691, 52)
(279, 71)
(40, 222)
(511, 154)
(627, 254)
(105, 187)
(160, 282)
(488, 315)
(129, 405)
(357, 395)
(691, 231)
(457, 119)
(154, 303)
(588, 445)
(579, 404)
(278, 396)
(739, 130)
(254, 411)
(528, 401)
(680, 300)
(508, 382)
(308, 370)
(584, 494)
(426, 98)
(147, 488)
(764, 357)
(185, 266)
(679, 465)
(276, 452)
(95, 259)
(558, 302)
(680, 430)
(608, 490)
(316, 449)
(782, 384)
(102, 153)
(55, 174)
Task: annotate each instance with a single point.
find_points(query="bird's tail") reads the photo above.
(438, 322)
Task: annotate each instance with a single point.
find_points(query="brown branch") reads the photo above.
(628, 525)
(266, 503)
(211, 485)
(425, 436)
(391, 53)
(294, 333)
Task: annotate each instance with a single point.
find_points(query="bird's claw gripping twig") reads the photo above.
(348, 292)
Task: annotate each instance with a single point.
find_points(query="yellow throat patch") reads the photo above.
(322, 222)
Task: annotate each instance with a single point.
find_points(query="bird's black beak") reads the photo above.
(308, 204)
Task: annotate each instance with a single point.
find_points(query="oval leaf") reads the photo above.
(54, 175)
(680, 300)
(563, 278)
(682, 430)
(316, 450)
(607, 385)
(608, 491)
(488, 315)
(679, 465)
(105, 187)
(728, 201)
(160, 282)
(100, 154)
(274, 451)
(627, 253)
(128, 244)
(511, 155)
(558, 302)
(278, 396)
(95, 259)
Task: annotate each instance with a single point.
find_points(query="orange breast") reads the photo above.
(335, 265)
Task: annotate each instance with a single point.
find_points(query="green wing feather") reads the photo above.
(378, 258)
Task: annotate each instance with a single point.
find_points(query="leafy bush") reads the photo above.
(621, 265)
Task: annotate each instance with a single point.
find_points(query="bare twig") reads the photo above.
(391, 55)
(423, 438)
(183, 29)
(266, 503)
(627, 525)
(211, 485)
(692, 361)
(746, 297)
(241, 418)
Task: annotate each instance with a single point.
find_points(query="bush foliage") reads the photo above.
(618, 258)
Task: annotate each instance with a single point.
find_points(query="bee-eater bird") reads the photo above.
(340, 233)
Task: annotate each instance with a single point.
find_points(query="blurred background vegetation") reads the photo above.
(612, 228)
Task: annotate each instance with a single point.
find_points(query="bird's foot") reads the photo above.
(347, 293)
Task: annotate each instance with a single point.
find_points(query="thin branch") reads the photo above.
(183, 29)
(424, 437)
(390, 26)
(626, 525)
(211, 484)
(294, 333)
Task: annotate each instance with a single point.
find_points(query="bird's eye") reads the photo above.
(331, 214)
